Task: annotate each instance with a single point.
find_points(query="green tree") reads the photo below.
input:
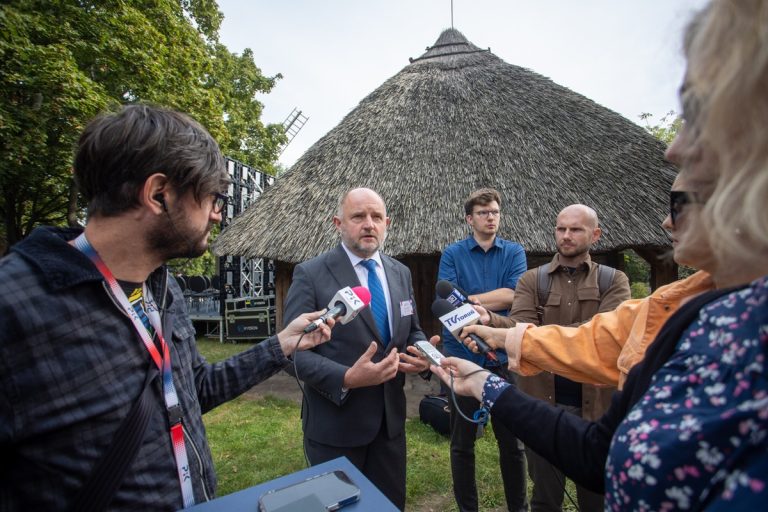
(666, 130)
(667, 127)
(638, 271)
(636, 268)
(63, 61)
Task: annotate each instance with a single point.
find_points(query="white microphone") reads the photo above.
(344, 306)
(455, 319)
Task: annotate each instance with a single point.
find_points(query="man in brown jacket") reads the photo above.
(578, 289)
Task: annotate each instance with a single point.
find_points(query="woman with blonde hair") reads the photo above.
(689, 430)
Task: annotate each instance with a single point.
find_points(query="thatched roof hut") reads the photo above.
(455, 119)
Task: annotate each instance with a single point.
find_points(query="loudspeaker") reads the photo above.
(197, 283)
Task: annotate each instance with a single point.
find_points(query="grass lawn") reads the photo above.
(257, 440)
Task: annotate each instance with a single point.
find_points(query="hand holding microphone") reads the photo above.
(455, 319)
(344, 306)
(495, 337)
(293, 337)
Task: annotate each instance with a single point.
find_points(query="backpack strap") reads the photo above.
(108, 473)
(605, 275)
(543, 285)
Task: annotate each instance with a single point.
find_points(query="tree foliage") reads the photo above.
(667, 127)
(666, 130)
(639, 290)
(63, 61)
(637, 269)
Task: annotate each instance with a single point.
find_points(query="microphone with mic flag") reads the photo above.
(344, 306)
(452, 293)
(455, 319)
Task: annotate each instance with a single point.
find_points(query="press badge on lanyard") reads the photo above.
(163, 363)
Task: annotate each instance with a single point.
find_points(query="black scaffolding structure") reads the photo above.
(239, 302)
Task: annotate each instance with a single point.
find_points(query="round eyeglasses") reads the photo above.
(219, 201)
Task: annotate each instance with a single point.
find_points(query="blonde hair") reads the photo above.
(727, 48)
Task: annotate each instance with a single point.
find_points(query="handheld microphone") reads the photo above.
(344, 306)
(452, 293)
(455, 319)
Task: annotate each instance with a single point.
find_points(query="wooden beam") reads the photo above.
(283, 277)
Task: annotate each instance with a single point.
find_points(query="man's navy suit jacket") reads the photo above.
(355, 418)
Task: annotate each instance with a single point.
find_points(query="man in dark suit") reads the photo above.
(354, 402)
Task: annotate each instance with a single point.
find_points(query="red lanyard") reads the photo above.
(163, 363)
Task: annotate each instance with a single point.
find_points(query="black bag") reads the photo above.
(433, 410)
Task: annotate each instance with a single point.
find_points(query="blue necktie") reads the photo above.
(378, 302)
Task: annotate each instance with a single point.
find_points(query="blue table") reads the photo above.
(248, 499)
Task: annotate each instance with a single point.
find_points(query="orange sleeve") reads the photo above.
(587, 353)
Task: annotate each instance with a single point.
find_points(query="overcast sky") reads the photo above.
(623, 54)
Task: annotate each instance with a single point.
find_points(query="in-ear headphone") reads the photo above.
(160, 198)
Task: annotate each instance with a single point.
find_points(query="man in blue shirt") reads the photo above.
(487, 268)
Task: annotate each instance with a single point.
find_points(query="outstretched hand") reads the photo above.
(416, 363)
(294, 330)
(367, 373)
(468, 378)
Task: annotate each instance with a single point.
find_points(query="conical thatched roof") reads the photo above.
(456, 119)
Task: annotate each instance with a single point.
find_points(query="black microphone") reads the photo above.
(452, 293)
(346, 304)
(455, 319)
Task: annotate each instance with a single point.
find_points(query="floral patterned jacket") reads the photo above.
(688, 432)
(699, 436)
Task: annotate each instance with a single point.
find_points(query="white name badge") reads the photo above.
(406, 308)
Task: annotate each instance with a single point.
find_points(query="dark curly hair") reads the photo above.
(118, 151)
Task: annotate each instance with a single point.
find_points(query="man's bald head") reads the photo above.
(362, 221)
(358, 193)
(576, 230)
(588, 215)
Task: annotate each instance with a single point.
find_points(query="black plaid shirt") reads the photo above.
(71, 367)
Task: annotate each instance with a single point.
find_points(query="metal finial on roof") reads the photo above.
(451, 13)
(451, 42)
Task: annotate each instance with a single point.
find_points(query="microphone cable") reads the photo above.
(481, 415)
(304, 400)
(562, 483)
